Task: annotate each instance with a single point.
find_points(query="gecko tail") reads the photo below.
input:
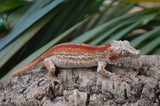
(28, 68)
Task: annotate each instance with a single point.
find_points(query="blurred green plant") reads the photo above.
(6, 5)
(3, 24)
(39, 25)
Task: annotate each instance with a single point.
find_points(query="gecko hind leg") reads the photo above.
(49, 64)
(101, 69)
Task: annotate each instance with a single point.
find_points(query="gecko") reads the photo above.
(73, 55)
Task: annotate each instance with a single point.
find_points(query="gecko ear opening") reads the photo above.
(124, 53)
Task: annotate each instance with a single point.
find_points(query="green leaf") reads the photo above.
(86, 36)
(126, 9)
(90, 34)
(150, 46)
(148, 18)
(13, 47)
(15, 16)
(157, 51)
(99, 14)
(135, 42)
(32, 18)
(6, 5)
(110, 31)
(123, 32)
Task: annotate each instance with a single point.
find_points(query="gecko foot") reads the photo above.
(101, 69)
(53, 80)
(105, 73)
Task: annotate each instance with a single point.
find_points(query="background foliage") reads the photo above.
(29, 28)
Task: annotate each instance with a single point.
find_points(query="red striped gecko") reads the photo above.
(72, 55)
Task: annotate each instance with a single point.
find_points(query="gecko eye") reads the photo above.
(124, 53)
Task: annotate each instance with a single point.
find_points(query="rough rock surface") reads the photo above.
(139, 86)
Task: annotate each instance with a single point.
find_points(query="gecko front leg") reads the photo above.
(49, 64)
(101, 69)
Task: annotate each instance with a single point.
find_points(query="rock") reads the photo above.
(84, 86)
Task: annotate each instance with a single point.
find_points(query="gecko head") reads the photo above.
(122, 49)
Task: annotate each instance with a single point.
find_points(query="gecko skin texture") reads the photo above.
(73, 55)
